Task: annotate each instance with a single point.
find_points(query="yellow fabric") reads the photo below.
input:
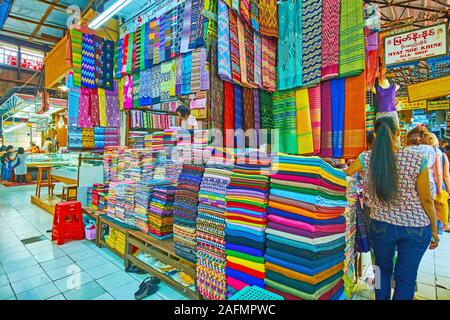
(249, 264)
(303, 277)
(441, 202)
(102, 107)
(305, 143)
(258, 225)
(310, 169)
(121, 89)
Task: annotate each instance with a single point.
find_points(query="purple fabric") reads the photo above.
(298, 232)
(185, 36)
(244, 249)
(204, 76)
(112, 107)
(256, 109)
(385, 98)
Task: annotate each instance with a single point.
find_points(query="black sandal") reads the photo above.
(145, 289)
(151, 279)
(134, 269)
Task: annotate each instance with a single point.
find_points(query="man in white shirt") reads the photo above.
(188, 121)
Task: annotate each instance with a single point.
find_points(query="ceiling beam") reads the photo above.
(383, 3)
(23, 43)
(56, 5)
(26, 35)
(36, 22)
(43, 18)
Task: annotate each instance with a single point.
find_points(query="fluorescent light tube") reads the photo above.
(108, 13)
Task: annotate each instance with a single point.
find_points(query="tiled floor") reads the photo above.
(42, 270)
(433, 280)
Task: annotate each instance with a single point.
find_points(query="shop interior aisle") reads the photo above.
(39, 270)
(31, 267)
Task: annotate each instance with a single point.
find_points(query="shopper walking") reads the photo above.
(20, 166)
(7, 167)
(403, 216)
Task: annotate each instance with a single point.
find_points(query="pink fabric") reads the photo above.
(336, 228)
(313, 181)
(330, 38)
(236, 284)
(84, 110)
(128, 92)
(95, 109)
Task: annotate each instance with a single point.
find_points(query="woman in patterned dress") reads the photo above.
(403, 216)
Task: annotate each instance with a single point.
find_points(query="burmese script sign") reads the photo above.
(416, 45)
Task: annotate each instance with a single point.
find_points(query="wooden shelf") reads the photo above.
(146, 129)
(172, 113)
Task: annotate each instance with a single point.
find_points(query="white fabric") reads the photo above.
(190, 123)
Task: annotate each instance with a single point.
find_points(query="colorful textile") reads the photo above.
(245, 10)
(112, 107)
(84, 111)
(249, 121)
(351, 39)
(102, 107)
(228, 112)
(257, 48)
(315, 112)
(269, 61)
(242, 51)
(107, 80)
(216, 94)
(98, 60)
(268, 13)
(304, 129)
(266, 110)
(224, 55)
(128, 92)
(256, 111)
(76, 38)
(290, 45)
(186, 73)
(337, 89)
(355, 117)
(238, 107)
(326, 130)
(88, 62)
(254, 14)
(234, 48)
(185, 36)
(73, 102)
(330, 33)
(250, 55)
(312, 41)
(284, 118)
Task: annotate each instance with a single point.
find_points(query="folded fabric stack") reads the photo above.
(247, 198)
(133, 159)
(97, 188)
(350, 238)
(87, 138)
(200, 141)
(371, 114)
(211, 257)
(111, 162)
(170, 137)
(116, 198)
(112, 137)
(157, 141)
(160, 218)
(128, 204)
(136, 140)
(121, 163)
(306, 229)
(99, 138)
(148, 141)
(107, 165)
(141, 204)
(148, 163)
(185, 211)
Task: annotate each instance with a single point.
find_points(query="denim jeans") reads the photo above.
(411, 244)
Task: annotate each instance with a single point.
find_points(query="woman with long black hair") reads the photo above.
(403, 216)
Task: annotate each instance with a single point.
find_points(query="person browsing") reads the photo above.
(188, 121)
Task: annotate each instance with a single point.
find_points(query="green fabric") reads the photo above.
(308, 191)
(244, 256)
(351, 39)
(253, 203)
(285, 120)
(129, 69)
(143, 47)
(300, 285)
(265, 109)
(136, 88)
(76, 38)
(300, 294)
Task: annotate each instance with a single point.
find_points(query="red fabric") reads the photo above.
(253, 273)
(327, 295)
(228, 112)
(372, 68)
(233, 204)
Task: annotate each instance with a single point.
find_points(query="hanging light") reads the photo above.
(108, 13)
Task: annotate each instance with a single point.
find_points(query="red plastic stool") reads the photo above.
(67, 222)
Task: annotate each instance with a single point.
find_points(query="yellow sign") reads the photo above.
(431, 89)
(404, 104)
(438, 105)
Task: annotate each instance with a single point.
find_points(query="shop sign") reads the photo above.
(404, 104)
(428, 90)
(416, 45)
(438, 105)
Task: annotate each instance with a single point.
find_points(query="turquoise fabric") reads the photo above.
(305, 246)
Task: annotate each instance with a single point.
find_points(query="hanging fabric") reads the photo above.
(257, 48)
(256, 111)
(216, 93)
(330, 33)
(88, 62)
(107, 81)
(238, 107)
(355, 117)
(131, 54)
(73, 102)
(254, 14)
(118, 58)
(242, 51)
(102, 107)
(285, 121)
(234, 48)
(326, 121)
(128, 92)
(337, 111)
(351, 39)
(136, 89)
(224, 58)
(312, 41)
(303, 118)
(290, 44)
(185, 36)
(138, 46)
(315, 109)
(250, 55)
(228, 112)
(76, 40)
(249, 121)
(187, 73)
(268, 13)
(112, 107)
(84, 110)
(269, 52)
(95, 112)
(125, 54)
(144, 44)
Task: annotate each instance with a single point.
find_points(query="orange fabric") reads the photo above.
(355, 116)
(319, 277)
(303, 212)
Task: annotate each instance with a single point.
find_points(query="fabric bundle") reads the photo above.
(306, 230)
(290, 45)
(76, 38)
(102, 107)
(75, 138)
(246, 220)
(351, 39)
(98, 60)
(211, 258)
(87, 138)
(312, 41)
(216, 93)
(224, 55)
(112, 107)
(337, 93)
(234, 48)
(326, 121)
(350, 237)
(330, 33)
(305, 143)
(315, 111)
(285, 120)
(160, 217)
(185, 211)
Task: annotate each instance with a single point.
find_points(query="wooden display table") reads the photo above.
(162, 250)
(103, 219)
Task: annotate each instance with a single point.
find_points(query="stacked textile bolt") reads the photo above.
(350, 237)
(185, 211)
(160, 219)
(306, 230)
(247, 197)
(211, 257)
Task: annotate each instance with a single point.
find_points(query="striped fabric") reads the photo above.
(315, 109)
(330, 33)
(258, 59)
(269, 52)
(87, 62)
(303, 116)
(351, 40)
(242, 52)
(268, 13)
(138, 41)
(254, 14)
(284, 118)
(224, 58)
(250, 55)
(76, 40)
(326, 130)
(312, 41)
(234, 48)
(337, 112)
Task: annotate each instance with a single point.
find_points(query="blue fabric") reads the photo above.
(238, 108)
(306, 246)
(245, 229)
(315, 200)
(245, 277)
(244, 249)
(411, 244)
(337, 295)
(296, 267)
(337, 112)
(246, 211)
(324, 263)
(248, 235)
(298, 217)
